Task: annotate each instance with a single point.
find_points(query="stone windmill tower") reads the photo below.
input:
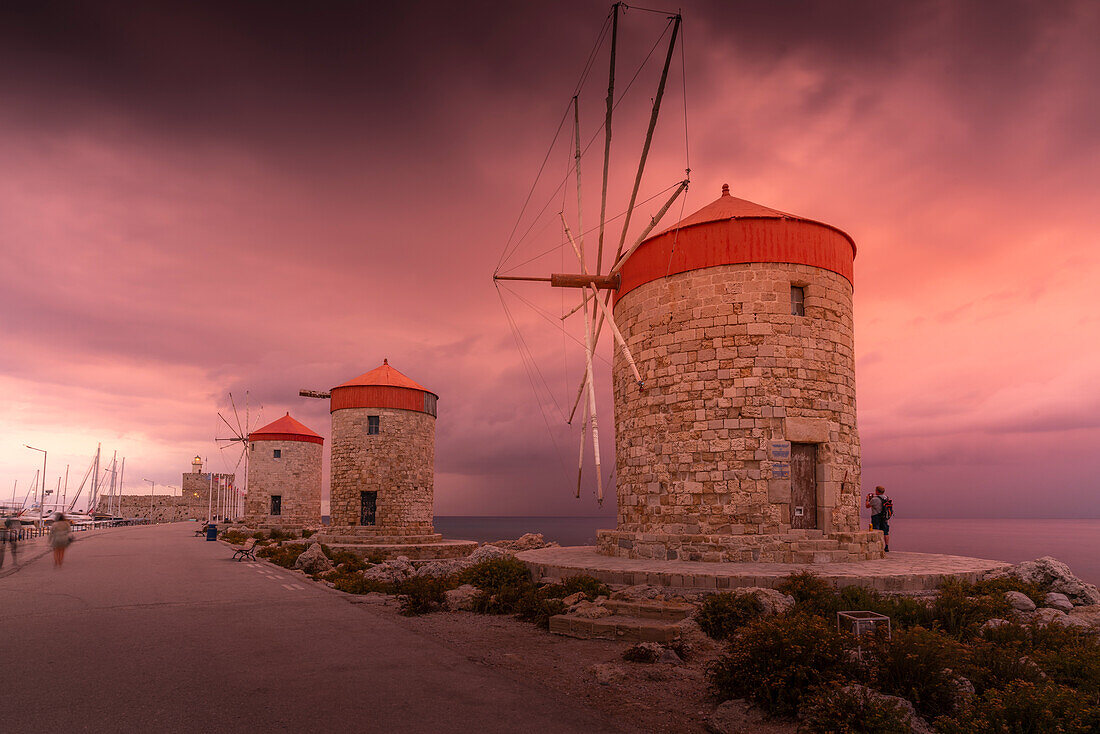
(743, 444)
(284, 475)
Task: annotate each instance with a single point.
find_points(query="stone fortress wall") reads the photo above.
(192, 504)
(398, 463)
(732, 380)
(295, 476)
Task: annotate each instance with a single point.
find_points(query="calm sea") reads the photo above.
(1075, 542)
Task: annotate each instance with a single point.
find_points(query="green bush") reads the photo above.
(914, 665)
(277, 534)
(307, 533)
(282, 555)
(235, 537)
(344, 559)
(961, 615)
(537, 609)
(774, 660)
(497, 573)
(421, 595)
(354, 583)
(998, 587)
(811, 593)
(1067, 655)
(838, 709)
(502, 599)
(1024, 707)
(995, 666)
(721, 615)
(587, 585)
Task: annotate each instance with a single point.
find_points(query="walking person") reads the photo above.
(882, 507)
(9, 536)
(60, 537)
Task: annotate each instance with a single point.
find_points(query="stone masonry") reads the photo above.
(732, 379)
(191, 504)
(295, 477)
(398, 463)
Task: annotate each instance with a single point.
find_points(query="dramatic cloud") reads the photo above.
(198, 199)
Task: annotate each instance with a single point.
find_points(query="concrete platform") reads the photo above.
(896, 572)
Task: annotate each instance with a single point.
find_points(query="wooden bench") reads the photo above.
(248, 550)
(202, 530)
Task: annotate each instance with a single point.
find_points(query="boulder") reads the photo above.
(485, 553)
(313, 560)
(1052, 572)
(1020, 602)
(462, 598)
(442, 569)
(574, 599)
(669, 656)
(736, 717)
(1071, 620)
(1046, 615)
(641, 592)
(1061, 602)
(692, 636)
(962, 689)
(775, 602)
(391, 572)
(993, 624)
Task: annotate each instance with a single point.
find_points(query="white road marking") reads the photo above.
(288, 587)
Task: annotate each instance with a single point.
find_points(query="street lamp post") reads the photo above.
(42, 502)
(152, 491)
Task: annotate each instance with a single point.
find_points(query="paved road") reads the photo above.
(151, 629)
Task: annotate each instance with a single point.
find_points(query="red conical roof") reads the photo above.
(285, 429)
(384, 375)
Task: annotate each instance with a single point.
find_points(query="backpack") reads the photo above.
(887, 507)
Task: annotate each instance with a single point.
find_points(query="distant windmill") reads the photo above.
(238, 433)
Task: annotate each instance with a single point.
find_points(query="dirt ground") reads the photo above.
(643, 697)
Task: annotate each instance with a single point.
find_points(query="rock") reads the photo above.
(574, 599)
(313, 560)
(462, 598)
(1019, 602)
(441, 569)
(697, 642)
(735, 717)
(917, 725)
(962, 688)
(993, 624)
(1075, 621)
(1046, 615)
(774, 602)
(1052, 572)
(589, 610)
(485, 553)
(527, 541)
(641, 592)
(608, 673)
(1061, 602)
(669, 656)
(644, 652)
(391, 572)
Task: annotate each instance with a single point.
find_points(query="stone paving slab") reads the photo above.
(897, 572)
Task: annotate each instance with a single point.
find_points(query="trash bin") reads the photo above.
(211, 532)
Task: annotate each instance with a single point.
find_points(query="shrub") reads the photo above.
(282, 555)
(1024, 707)
(589, 586)
(344, 559)
(914, 665)
(421, 595)
(773, 660)
(721, 615)
(236, 537)
(307, 533)
(277, 534)
(538, 609)
(838, 709)
(998, 587)
(354, 583)
(812, 594)
(502, 600)
(996, 666)
(259, 535)
(497, 573)
(961, 615)
(1068, 655)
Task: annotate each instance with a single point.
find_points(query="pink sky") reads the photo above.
(203, 200)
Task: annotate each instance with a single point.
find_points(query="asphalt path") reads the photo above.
(151, 629)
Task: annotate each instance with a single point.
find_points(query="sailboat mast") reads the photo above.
(118, 499)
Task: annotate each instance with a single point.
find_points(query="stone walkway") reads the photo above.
(897, 572)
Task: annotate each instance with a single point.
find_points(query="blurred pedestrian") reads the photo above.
(9, 536)
(60, 537)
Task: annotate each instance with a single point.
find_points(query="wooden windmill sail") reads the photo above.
(237, 437)
(596, 311)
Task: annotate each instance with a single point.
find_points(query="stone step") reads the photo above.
(615, 627)
(819, 556)
(820, 544)
(668, 611)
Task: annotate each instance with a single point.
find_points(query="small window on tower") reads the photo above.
(278, 453)
(251, 447)
(798, 300)
(372, 425)
(276, 504)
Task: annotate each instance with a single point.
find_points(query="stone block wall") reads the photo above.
(191, 504)
(398, 463)
(730, 375)
(295, 476)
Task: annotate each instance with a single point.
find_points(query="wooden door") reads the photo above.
(368, 506)
(803, 486)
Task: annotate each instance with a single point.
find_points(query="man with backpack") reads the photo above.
(882, 508)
